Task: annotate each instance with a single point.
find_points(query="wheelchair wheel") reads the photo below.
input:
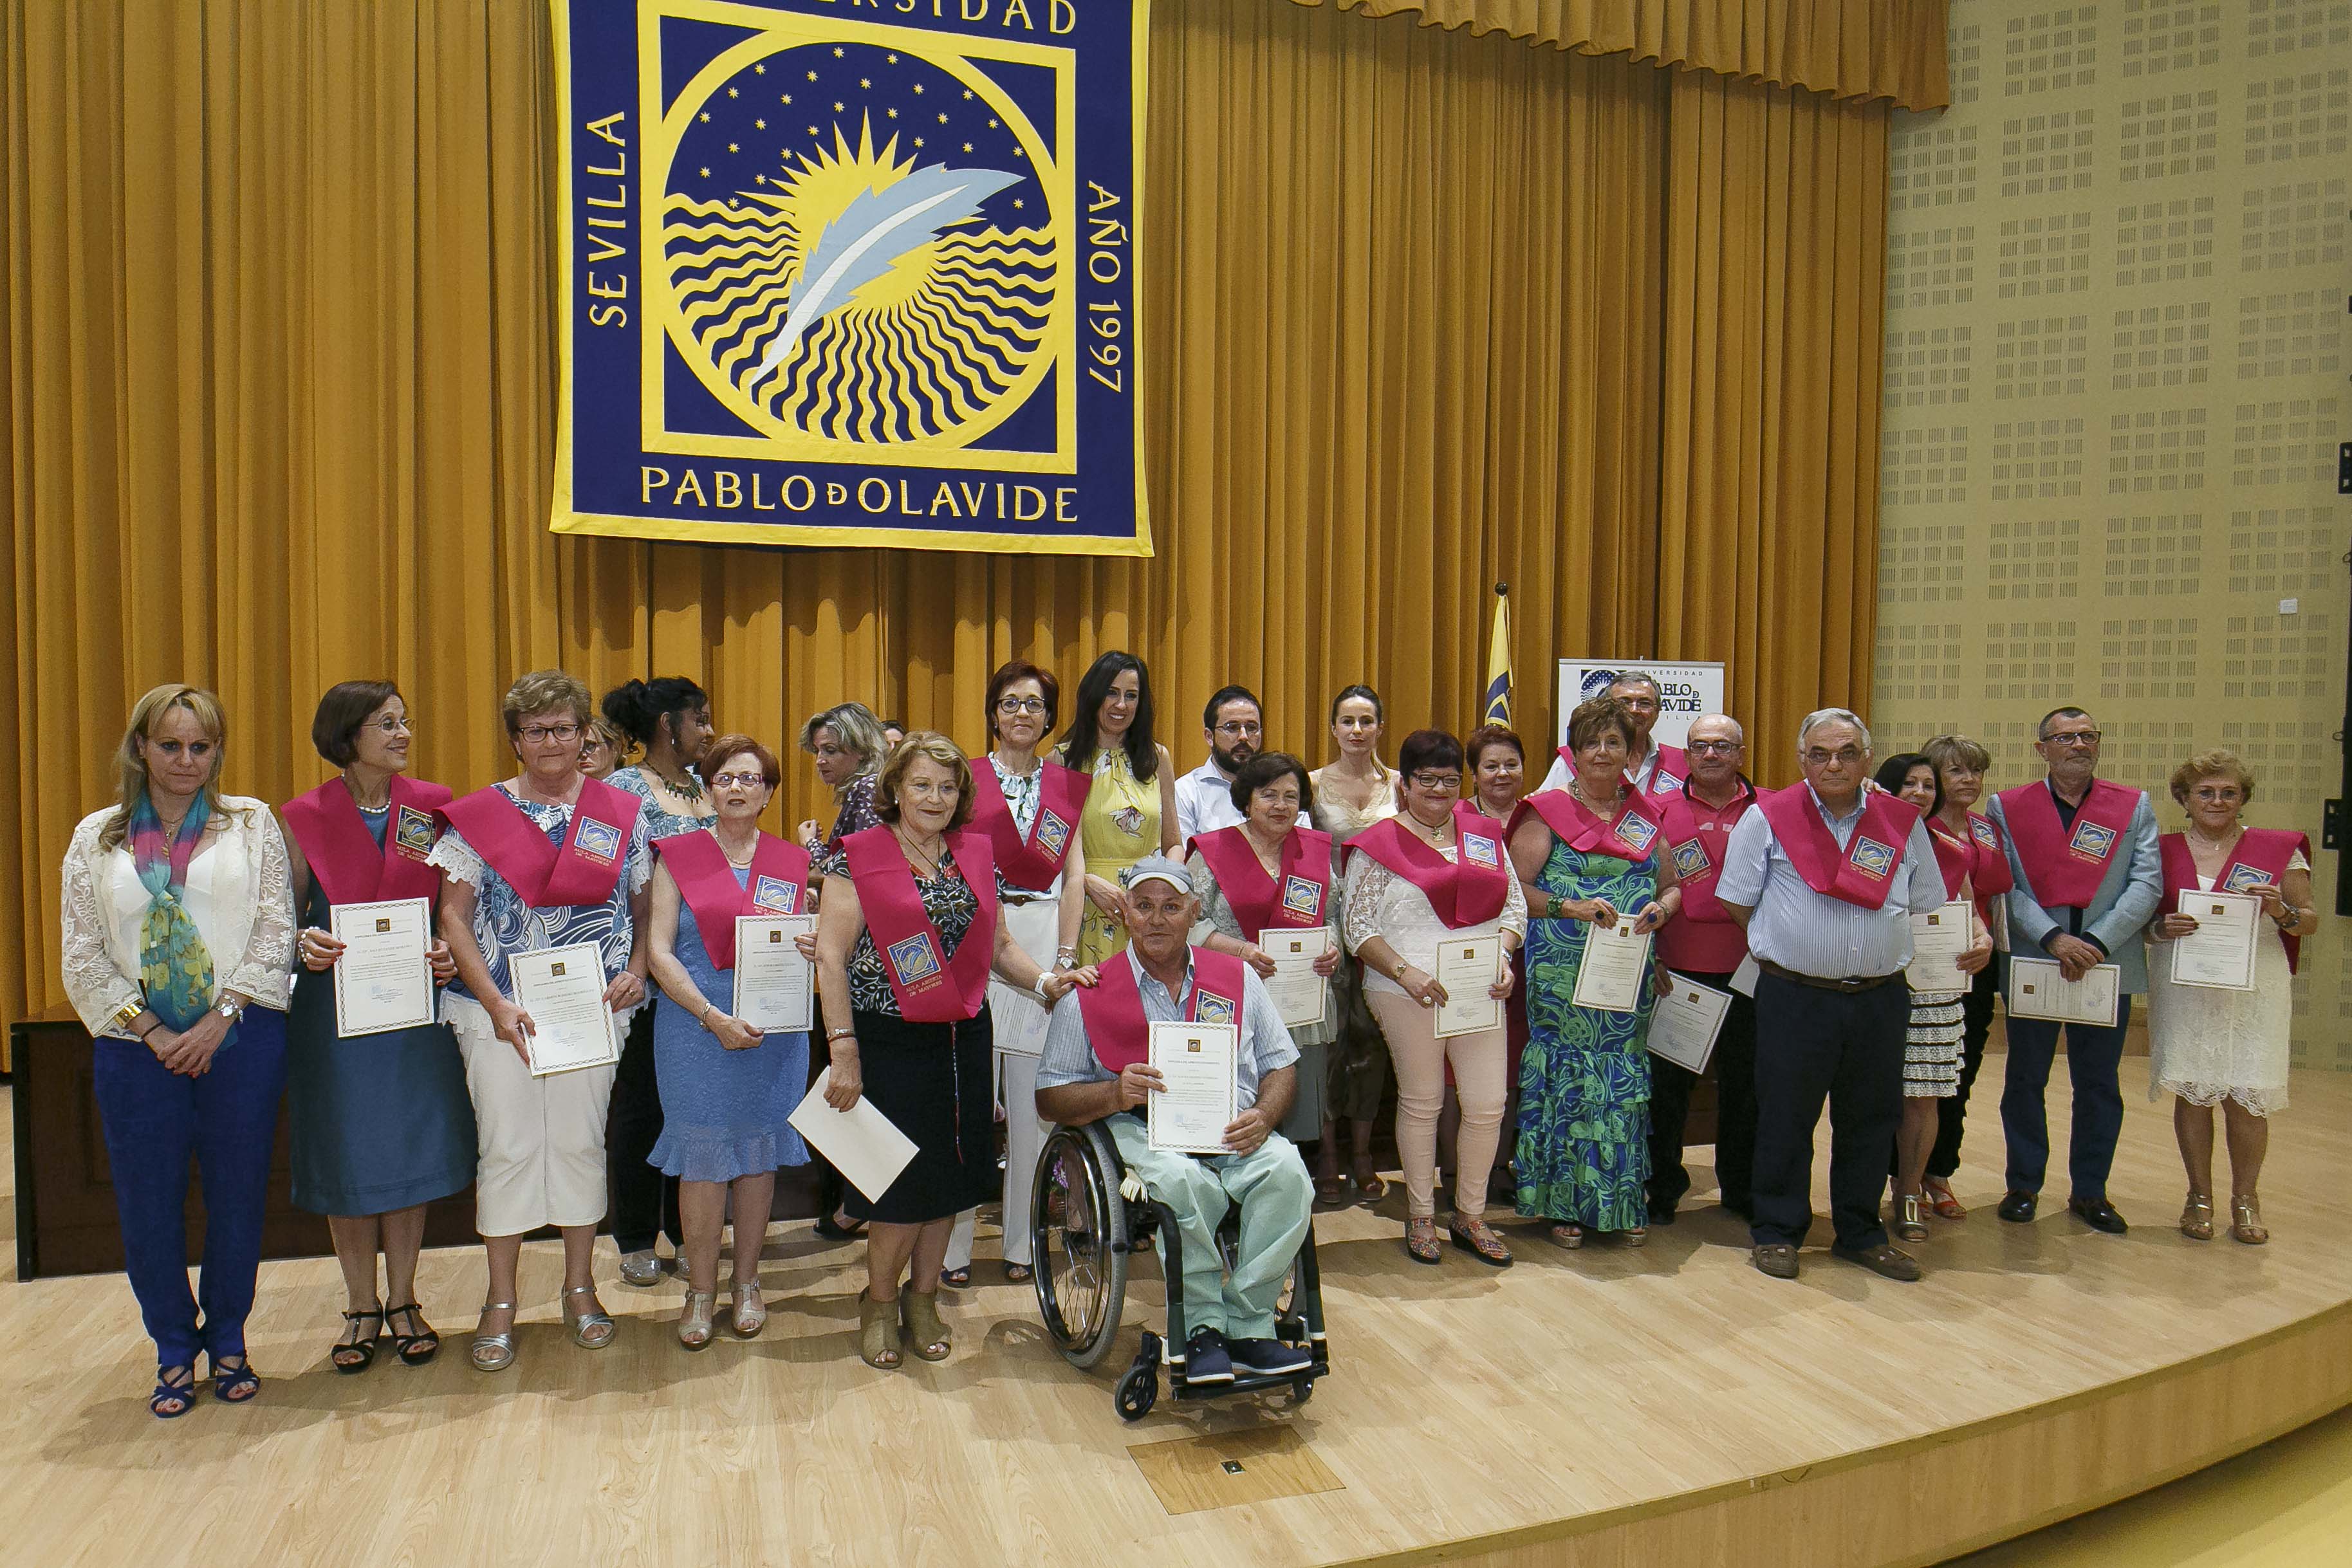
(1078, 1241)
(1138, 1392)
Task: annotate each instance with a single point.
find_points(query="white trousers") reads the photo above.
(1020, 1018)
(540, 1141)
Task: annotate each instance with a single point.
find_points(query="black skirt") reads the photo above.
(933, 1080)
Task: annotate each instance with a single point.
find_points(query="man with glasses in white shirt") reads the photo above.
(1234, 727)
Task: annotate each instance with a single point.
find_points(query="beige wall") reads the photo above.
(2115, 377)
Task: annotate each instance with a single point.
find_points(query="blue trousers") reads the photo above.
(2094, 1052)
(155, 1121)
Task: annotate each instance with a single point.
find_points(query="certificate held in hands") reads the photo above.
(1685, 1022)
(1189, 1113)
(1937, 939)
(383, 981)
(1299, 994)
(562, 990)
(2039, 989)
(775, 987)
(1466, 967)
(2220, 952)
(1609, 980)
(866, 1146)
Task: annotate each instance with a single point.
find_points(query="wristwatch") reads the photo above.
(230, 1010)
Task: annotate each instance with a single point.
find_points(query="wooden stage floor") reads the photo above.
(1666, 1405)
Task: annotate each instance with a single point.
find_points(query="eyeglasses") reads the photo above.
(1231, 729)
(541, 734)
(2219, 793)
(2072, 738)
(1816, 756)
(1449, 782)
(1711, 748)
(1012, 707)
(731, 780)
(391, 726)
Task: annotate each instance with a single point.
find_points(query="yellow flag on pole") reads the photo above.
(1498, 661)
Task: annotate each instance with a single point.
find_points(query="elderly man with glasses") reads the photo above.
(1825, 876)
(1657, 769)
(1234, 727)
(2089, 877)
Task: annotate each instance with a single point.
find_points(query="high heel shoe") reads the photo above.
(927, 1334)
(694, 1321)
(592, 1329)
(414, 1349)
(169, 1393)
(494, 1352)
(750, 1314)
(2247, 1214)
(1909, 1226)
(361, 1351)
(877, 1333)
(2197, 1217)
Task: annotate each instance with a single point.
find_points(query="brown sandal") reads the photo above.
(927, 1336)
(2247, 1213)
(2197, 1217)
(877, 1333)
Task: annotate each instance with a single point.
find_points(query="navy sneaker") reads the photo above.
(1205, 1359)
(1267, 1357)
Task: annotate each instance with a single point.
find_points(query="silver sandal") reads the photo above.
(694, 1322)
(585, 1326)
(750, 1313)
(495, 1351)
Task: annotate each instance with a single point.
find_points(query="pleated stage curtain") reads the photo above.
(1425, 309)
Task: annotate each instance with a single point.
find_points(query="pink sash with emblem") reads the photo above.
(1295, 896)
(1113, 1010)
(1866, 870)
(2064, 866)
(583, 872)
(931, 987)
(1031, 864)
(1703, 936)
(1468, 890)
(1628, 835)
(2259, 860)
(698, 862)
(342, 853)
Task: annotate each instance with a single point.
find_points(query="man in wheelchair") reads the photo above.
(1095, 1068)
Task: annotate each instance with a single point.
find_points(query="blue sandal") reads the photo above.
(234, 1384)
(167, 1392)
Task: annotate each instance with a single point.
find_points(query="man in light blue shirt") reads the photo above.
(1229, 1320)
(1833, 1012)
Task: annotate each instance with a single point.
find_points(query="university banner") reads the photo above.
(852, 272)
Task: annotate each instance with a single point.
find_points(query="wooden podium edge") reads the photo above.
(2036, 1465)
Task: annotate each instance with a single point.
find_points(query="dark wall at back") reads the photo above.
(65, 1194)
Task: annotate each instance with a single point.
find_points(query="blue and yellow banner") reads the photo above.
(852, 272)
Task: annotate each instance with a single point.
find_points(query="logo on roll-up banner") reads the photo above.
(1684, 692)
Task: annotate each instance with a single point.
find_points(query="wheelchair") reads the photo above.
(1087, 1217)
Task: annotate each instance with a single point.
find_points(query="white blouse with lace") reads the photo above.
(1381, 903)
(239, 893)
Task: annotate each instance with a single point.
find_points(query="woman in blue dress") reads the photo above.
(726, 1087)
(382, 1124)
(1583, 854)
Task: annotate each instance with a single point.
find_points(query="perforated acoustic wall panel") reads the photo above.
(2115, 379)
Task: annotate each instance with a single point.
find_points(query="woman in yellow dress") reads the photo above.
(1132, 811)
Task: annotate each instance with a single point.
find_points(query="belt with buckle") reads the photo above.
(1850, 985)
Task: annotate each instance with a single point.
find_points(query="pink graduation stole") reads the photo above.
(778, 874)
(1113, 1010)
(1295, 896)
(583, 872)
(2259, 860)
(1628, 835)
(931, 987)
(1703, 936)
(2064, 867)
(343, 855)
(1467, 889)
(1862, 874)
(1976, 859)
(1031, 864)
(1672, 772)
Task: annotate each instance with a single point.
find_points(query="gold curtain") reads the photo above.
(1846, 48)
(1423, 309)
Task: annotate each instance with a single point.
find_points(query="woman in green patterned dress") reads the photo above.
(1584, 855)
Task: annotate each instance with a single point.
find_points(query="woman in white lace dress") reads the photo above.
(2210, 1047)
(178, 953)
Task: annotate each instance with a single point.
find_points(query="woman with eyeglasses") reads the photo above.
(177, 949)
(1587, 857)
(1436, 873)
(1030, 809)
(2210, 1047)
(1353, 793)
(382, 1124)
(546, 859)
(1132, 807)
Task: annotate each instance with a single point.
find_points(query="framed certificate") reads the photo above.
(1299, 994)
(2220, 952)
(1686, 1022)
(383, 981)
(775, 987)
(1466, 967)
(1189, 1111)
(1615, 963)
(562, 990)
(2039, 989)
